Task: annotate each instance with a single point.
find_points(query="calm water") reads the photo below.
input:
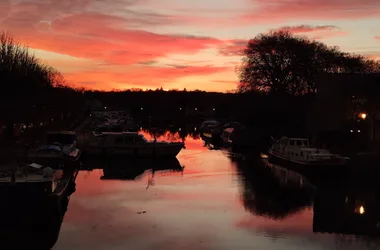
(216, 202)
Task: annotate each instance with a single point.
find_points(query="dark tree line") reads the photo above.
(279, 62)
(32, 92)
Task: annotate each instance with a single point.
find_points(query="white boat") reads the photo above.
(298, 151)
(130, 144)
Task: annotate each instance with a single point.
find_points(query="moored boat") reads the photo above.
(298, 151)
(34, 201)
(35, 185)
(61, 148)
(131, 144)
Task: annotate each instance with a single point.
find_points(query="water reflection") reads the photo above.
(126, 169)
(224, 199)
(273, 191)
(346, 209)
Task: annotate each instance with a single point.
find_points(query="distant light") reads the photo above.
(142, 108)
(359, 131)
(105, 107)
(213, 109)
(179, 129)
(180, 108)
(90, 114)
(195, 128)
(361, 210)
(363, 115)
(351, 131)
(195, 109)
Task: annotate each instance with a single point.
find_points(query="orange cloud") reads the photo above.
(138, 76)
(377, 38)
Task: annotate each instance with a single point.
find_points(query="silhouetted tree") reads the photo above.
(283, 63)
(31, 90)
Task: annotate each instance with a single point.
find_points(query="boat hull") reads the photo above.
(151, 151)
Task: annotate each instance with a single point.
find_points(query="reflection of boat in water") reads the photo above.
(137, 168)
(130, 169)
(29, 224)
(273, 191)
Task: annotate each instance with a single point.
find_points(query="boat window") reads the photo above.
(129, 140)
(119, 140)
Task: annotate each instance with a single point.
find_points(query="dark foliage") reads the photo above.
(279, 62)
(32, 92)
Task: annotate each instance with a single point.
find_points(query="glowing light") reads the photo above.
(351, 131)
(180, 108)
(105, 107)
(142, 108)
(359, 131)
(195, 109)
(179, 129)
(361, 210)
(213, 109)
(363, 115)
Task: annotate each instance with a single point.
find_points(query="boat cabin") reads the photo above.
(299, 148)
(123, 138)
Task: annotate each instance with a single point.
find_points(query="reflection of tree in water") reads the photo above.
(173, 133)
(266, 194)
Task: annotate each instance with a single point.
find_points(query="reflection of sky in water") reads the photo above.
(199, 209)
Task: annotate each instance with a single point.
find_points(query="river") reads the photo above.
(216, 202)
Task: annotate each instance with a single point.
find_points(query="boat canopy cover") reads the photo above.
(50, 147)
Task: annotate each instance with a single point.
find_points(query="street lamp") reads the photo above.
(363, 116)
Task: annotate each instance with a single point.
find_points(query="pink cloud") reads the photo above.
(377, 38)
(314, 32)
(282, 10)
(233, 48)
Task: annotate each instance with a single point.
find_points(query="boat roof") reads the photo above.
(295, 138)
(61, 132)
(121, 133)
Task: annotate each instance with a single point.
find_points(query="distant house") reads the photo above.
(346, 106)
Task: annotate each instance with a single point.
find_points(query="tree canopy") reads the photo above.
(280, 62)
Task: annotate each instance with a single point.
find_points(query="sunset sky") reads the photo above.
(176, 44)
